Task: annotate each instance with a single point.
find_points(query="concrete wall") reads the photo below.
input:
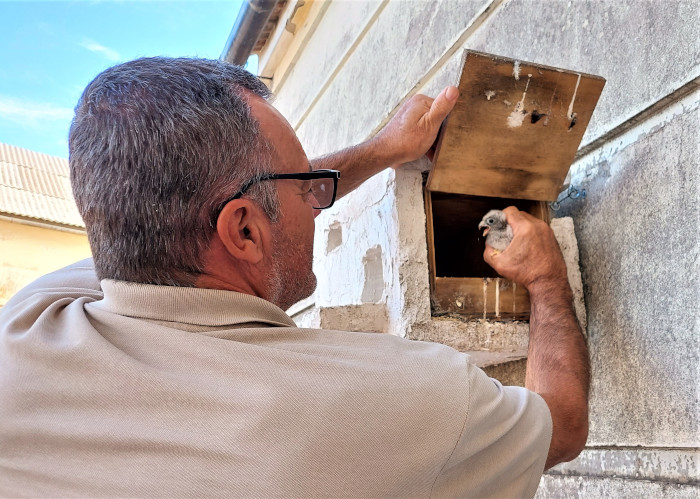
(637, 228)
(28, 252)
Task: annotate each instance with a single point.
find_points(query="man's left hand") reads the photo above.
(413, 129)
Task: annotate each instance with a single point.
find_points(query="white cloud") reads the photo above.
(31, 113)
(107, 52)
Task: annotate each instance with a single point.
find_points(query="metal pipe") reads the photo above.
(251, 20)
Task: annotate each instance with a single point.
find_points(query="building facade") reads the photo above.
(40, 227)
(341, 69)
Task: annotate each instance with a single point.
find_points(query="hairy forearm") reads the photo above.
(356, 164)
(558, 365)
(557, 345)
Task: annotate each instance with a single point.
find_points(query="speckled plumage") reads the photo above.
(496, 229)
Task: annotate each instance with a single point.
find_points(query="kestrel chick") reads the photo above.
(497, 231)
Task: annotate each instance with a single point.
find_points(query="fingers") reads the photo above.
(517, 218)
(488, 255)
(514, 215)
(442, 105)
(532, 255)
(412, 131)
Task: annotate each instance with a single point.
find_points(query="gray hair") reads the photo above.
(157, 146)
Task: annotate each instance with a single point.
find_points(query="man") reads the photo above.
(178, 373)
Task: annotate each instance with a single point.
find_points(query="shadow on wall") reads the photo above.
(374, 275)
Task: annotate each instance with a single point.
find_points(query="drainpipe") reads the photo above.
(250, 22)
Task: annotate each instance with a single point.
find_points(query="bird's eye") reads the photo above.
(490, 221)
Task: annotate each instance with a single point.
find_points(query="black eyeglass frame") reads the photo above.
(313, 175)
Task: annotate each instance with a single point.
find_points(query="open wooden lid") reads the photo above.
(515, 129)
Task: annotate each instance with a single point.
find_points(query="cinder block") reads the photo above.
(368, 317)
(510, 373)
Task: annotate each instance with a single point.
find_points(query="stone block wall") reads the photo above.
(637, 228)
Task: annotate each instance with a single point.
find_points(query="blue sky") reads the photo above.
(49, 52)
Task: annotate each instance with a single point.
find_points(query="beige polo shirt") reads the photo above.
(139, 390)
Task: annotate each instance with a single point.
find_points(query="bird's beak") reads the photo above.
(484, 227)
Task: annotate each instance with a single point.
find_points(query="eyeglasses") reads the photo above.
(324, 185)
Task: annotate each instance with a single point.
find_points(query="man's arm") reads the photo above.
(407, 137)
(557, 365)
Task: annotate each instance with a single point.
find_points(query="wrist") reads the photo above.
(549, 286)
(385, 151)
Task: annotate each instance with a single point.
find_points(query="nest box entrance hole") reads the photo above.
(458, 243)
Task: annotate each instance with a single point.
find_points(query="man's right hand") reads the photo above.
(532, 256)
(557, 363)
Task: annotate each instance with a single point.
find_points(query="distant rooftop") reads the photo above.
(36, 186)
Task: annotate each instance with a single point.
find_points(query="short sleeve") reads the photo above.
(78, 279)
(502, 449)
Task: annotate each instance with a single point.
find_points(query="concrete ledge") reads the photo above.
(680, 466)
(475, 335)
(483, 359)
(605, 488)
(371, 317)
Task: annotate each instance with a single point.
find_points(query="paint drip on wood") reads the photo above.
(516, 118)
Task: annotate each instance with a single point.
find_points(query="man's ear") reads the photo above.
(241, 227)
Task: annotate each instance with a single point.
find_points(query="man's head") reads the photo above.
(273, 258)
(156, 146)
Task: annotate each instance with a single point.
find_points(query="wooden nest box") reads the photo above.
(510, 140)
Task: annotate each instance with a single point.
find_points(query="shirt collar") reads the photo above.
(197, 306)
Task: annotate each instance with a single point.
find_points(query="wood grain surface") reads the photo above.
(515, 129)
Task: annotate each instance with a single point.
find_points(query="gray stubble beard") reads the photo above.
(287, 285)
